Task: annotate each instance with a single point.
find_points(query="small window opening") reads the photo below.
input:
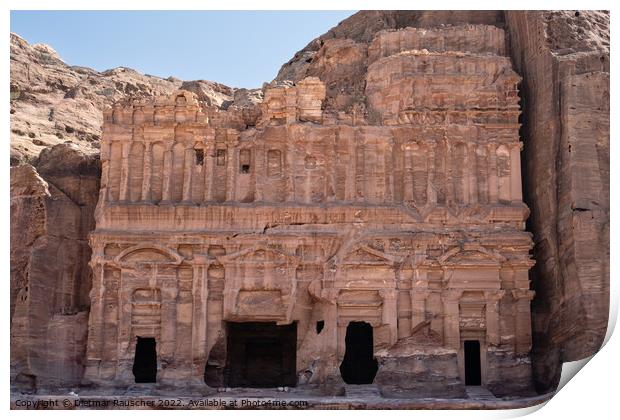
(200, 156)
(220, 157)
(244, 161)
(319, 326)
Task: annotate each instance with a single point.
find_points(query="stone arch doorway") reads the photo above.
(145, 360)
(359, 365)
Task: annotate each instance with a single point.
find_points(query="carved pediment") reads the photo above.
(258, 255)
(147, 253)
(370, 256)
(471, 255)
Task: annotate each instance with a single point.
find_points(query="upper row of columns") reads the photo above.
(504, 188)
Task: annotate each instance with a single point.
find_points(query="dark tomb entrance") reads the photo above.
(359, 365)
(261, 355)
(145, 360)
(472, 362)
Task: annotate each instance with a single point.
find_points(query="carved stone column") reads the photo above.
(431, 192)
(515, 173)
(232, 163)
(124, 187)
(122, 345)
(167, 174)
(200, 295)
(465, 182)
(349, 184)
(360, 172)
(473, 173)
(492, 315)
(388, 197)
(450, 197)
(208, 171)
(187, 174)
(419, 290)
(95, 322)
(169, 293)
(523, 322)
(418, 306)
(106, 152)
(493, 181)
(451, 316)
(389, 314)
(147, 173)
(408, 174)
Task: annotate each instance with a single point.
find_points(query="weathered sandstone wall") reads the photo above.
(563, 57)
(52, 209)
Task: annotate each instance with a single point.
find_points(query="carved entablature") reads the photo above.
(471, 267)
(260, 284)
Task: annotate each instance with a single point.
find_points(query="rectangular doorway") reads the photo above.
(261, 355)
(472, 362)
(145, 360)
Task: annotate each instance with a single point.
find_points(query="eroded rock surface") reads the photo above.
(52, 213)
(563, 57)
(53, 102)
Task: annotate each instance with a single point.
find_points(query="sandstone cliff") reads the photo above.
(52, 209)
(563, 57)
(53, 102)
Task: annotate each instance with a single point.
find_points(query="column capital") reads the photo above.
(451, 295)
(387, 293)
(519, 294)
(494, 295)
